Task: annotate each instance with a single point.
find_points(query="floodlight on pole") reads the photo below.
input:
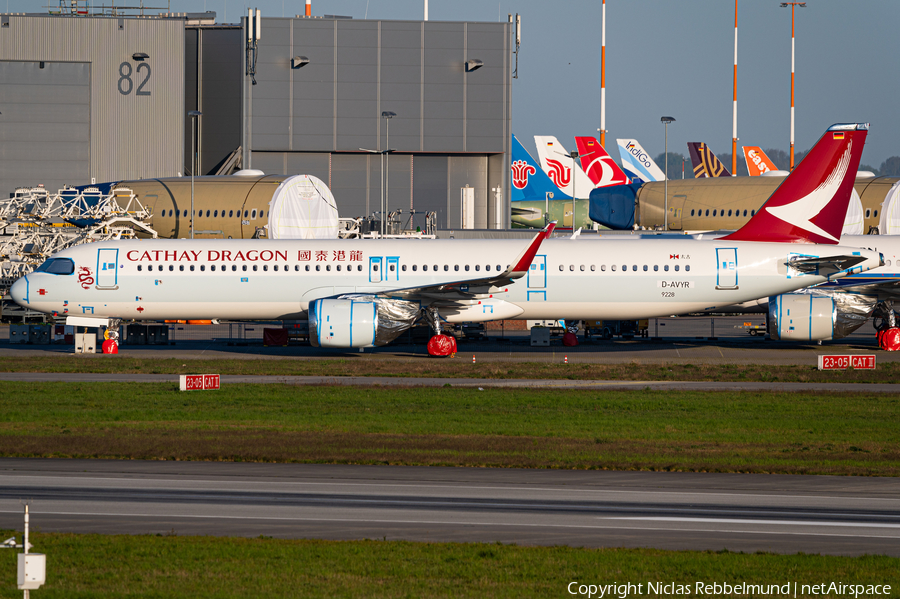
(666, 120)
(387, 115)
(793, 5)
(193, 114)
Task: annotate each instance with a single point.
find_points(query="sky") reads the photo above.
(667, 57)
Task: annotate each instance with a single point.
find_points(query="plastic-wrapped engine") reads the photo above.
(358, 320)
(817, 314)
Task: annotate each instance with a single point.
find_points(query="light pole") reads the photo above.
(387, 116)
(792, 5)
(193, 114)
(667, 120)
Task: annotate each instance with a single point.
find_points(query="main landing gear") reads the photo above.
(885, 320)
(439, 344)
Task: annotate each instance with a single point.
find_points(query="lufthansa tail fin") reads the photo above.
(705, 163)
(811, 203)
(529, 182)
(599, 166)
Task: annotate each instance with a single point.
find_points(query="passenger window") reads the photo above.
(666, 268)
(424, 267)
(875, 214)
(202, 268)
(571, 267)
(230, 213)
(745, 212)
(602, 268)
(487, 267)
(446, 267)
(707, 212)
(456, 267)
(391, 267)
(467, 268)
(265, 267)
(244, 267)
(645, 268)
(714, 212)
(868, 211)
(207, 214)
(561, 268)
(185, 213)
(328, 267)
(655, 267)
(246, 212)
(253, 213)
(275, 268)
(752, 212)
(477, 267)
(687, 267)
(319, 268)
(255, 268)
(613, 268)
(634, 267)
(729, 213)
(192, 268)
(212, 268)
(140, 268)
(624, 268)
(435, 268)
(414, 266)
(181, 267)
(676, 268)
(216, 214)
(171, 267)
(149, 267)
(403, 268)
(692, 212)
(582, 268)
(307, 268)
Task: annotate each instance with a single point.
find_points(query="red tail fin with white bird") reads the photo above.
(811, 204)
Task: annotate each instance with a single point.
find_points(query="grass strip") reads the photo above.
(85, 566)
(424, 366)
(797, 433)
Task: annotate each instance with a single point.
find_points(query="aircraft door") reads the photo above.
(537, 273)
(726, 268)
(392, 272)
(107, 269)
(375, 274)
(568, 210)
(676, 211)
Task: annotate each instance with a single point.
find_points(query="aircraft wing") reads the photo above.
(830, 264)
(466, 288)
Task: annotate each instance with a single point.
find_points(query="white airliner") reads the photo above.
(362, 293)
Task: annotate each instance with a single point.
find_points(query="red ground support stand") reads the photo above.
(570, 339)
(110, 346)
(442, 345)
(889, 339)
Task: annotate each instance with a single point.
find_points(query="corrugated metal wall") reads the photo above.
(451, 121)
(136, 106)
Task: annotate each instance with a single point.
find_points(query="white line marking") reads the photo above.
(737, 521)
(448, 523)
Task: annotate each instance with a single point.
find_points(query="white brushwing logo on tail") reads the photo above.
(801, 212)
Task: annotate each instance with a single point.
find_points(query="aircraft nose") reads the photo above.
(19, 291)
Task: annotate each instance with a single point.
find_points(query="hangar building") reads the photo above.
(99, 98)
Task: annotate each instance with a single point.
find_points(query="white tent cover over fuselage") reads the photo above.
(303, 207)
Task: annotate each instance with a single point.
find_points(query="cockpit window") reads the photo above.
(57, 266)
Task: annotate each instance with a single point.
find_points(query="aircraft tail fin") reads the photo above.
(811, 204)
(637, 163)
(529, 182)
(705, 163)
(599, 166)
(757, 161)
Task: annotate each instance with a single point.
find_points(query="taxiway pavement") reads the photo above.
(738, 512)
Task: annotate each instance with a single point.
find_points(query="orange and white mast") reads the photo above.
(603, 76)
(734, 136)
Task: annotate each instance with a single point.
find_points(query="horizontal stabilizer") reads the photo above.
(826, 265)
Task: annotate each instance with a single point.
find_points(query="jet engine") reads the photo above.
(359, 320)
(817, 314)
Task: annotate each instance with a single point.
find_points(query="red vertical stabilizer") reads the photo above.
(811, 204)
(597, 164)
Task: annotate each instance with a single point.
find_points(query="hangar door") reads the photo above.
(45, 124)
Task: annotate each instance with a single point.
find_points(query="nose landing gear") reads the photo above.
(439, 345)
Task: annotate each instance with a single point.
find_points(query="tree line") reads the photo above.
(782, 160)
